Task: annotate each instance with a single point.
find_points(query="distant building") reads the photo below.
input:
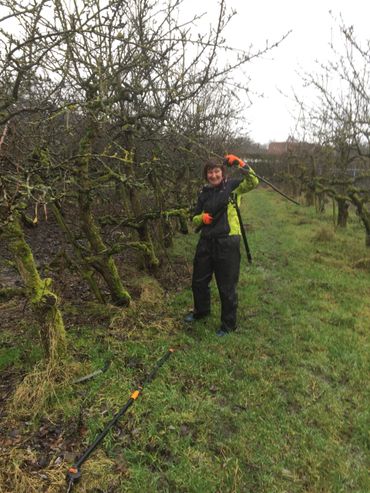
(291, 145)
(277, 148)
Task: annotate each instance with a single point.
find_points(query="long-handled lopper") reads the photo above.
(74, 472)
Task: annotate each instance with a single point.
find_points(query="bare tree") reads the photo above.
(339, 123)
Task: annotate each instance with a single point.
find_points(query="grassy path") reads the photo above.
(282, 405)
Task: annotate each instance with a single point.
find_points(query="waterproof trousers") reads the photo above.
(219, 256)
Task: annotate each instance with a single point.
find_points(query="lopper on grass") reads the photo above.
(74, 472)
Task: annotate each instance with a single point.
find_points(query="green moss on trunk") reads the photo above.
(104, 264)
(362, 211)
(43, 301)
(150, 260)
(83, 267)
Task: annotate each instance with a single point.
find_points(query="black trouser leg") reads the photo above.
(227, 267)
(202, 275)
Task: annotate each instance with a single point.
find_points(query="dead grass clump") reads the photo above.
(151, 291)
(363, 263)
(98, 474)
(324, 235)
(37, 389)
(145, 315)
(18, 476)
(142, 320)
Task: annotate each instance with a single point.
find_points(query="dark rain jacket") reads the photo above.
(216, 201)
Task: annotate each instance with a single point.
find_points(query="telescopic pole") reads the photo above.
(74, 472)
(271, 185)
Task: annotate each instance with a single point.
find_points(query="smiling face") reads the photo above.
(214, 176)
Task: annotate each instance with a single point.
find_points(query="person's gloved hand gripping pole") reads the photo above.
(231, 161)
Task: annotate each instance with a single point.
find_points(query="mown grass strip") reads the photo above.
(282, 404)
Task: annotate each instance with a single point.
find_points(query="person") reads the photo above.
(218, 248)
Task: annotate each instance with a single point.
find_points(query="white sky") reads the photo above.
(312, 26)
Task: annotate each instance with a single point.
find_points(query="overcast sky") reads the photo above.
(313, 24)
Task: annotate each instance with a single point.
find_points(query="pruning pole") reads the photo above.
(242, 229)
(273, 187)
(74, 472)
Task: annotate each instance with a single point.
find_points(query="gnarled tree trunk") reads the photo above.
(103, 262)
(83, 267)
(43, 300)
(342, 217)
(363, 212)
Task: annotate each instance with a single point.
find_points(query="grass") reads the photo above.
(281, 405)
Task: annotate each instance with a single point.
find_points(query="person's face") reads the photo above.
(214, 176)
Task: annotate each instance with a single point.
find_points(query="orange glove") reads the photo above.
(231, 160)
(207, 218)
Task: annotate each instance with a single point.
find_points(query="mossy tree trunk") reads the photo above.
(343, 206)
(43, 300)
(363, 212)
(102, 261)
(83, 266)
(320, 201)
(310, 196)
(184, 229)
(150, 260)
(164, 230)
